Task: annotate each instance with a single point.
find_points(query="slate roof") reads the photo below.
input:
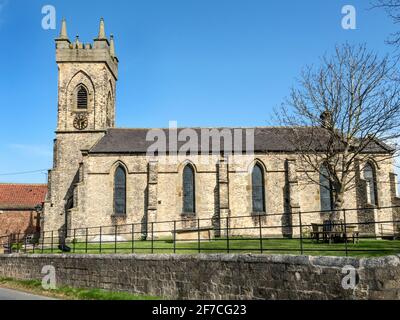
(22, 196)
(266, 139)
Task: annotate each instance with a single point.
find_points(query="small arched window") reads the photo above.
(120, 190)
(325, 190)
(82, 98)
(369, 177)
(258, 189)
(188, 189)
(108, 110)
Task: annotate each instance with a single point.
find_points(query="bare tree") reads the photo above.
(392, 8)
(342, 112)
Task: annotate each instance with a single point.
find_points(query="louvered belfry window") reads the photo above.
(82, 98)
(258, 189)
(120, 191)
(188, 190)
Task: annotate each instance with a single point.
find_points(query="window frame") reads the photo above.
(329, 189)
(370, 190)
(109, 105)
(193, 191)
(123, 170)
(263, 190)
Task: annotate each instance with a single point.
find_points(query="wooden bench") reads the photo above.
(319, 232)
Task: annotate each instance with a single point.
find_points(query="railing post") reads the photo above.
(86, 240)
(52, 241)
(43, 236)
(198, 235)
(133, 238)
(345, 232)
(301, 234)
(18, 242)
(261, 236)
(115, 238)
(227, 235)
(152, 237)
(74, 240)
(9, 244)
(174, 236)
(101, 236)
(33, 244)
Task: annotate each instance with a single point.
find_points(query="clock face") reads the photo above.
(80, 121)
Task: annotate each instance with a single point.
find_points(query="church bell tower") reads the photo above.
(87, 77)
(87, 82)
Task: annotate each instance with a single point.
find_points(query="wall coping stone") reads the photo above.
(329, 261)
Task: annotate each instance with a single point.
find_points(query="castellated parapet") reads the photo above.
(102, 50)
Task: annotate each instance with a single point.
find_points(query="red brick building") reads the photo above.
(20, 208)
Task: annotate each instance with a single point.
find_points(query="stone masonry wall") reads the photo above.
(222, 189)
(219, 276)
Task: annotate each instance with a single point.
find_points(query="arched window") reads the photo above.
(258, 189)
(369, 177)
(325, 190)
(82, 98)
(108, 110)
(188, 190)
(120, 191)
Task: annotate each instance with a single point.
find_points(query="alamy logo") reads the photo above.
(49, 280)
(49, 20)
(349, 281)
(185, 142)
(349, 20)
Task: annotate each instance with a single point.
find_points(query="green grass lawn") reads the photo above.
(68, 293)
(365, 247)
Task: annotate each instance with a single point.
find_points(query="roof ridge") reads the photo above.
(218, 127)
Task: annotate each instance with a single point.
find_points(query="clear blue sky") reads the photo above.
(199, 62)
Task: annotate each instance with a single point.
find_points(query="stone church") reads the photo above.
(103, 176)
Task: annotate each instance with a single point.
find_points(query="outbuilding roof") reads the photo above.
(21, 196)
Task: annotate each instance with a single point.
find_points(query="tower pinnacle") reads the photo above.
(112, 46)
(102, 32)
(63, 33)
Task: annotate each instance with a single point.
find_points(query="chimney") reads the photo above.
(326, 119)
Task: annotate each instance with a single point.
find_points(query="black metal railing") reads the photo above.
(356, 232)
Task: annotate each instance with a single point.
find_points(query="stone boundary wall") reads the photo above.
(216, 276)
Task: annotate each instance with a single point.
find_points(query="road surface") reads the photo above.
(9, 294)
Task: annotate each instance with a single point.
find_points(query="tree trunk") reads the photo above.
(338, 204)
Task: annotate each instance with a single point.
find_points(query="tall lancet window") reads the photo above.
(369, 177)
(120, 190)
(258, 189)
(82, 98)
(326, 190)
(108, 110)
(188, 190)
